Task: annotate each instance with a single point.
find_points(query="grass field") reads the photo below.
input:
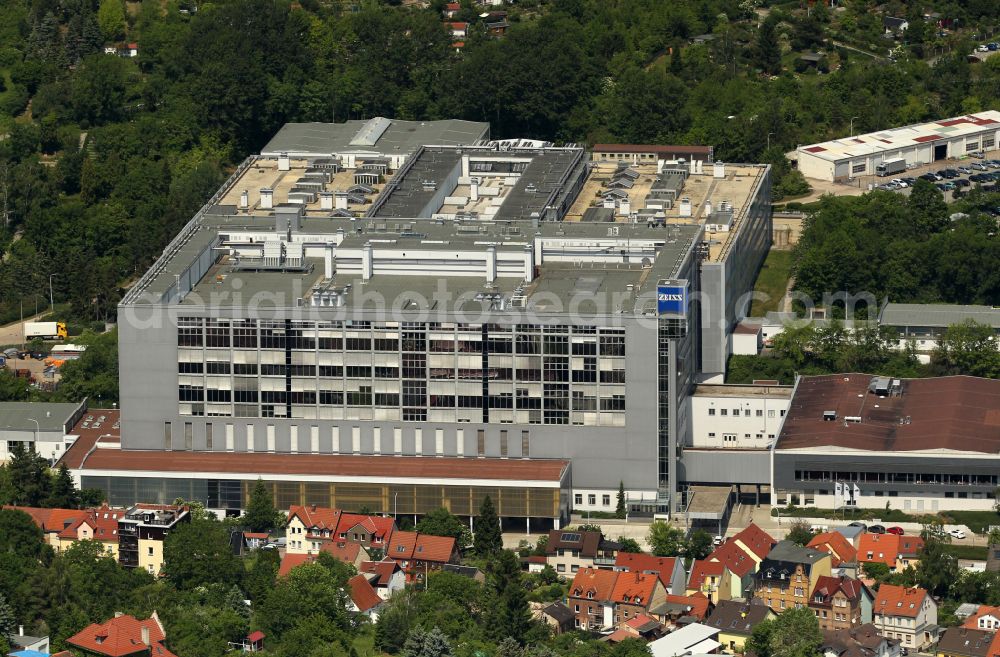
(772, 281)
(977, 521)
(969, 552)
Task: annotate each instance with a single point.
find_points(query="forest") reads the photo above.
(103, 157)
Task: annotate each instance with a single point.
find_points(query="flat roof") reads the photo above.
(946, 414)
(771, 391)
(87, 437)
(151, 463)
(377, 135)
(937, 314)
(51, 416)
(903, 137)
(663, 149)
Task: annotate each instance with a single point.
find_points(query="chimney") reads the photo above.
(685, 209)
(244, 199)
(529, 262)
(266, 198)
(283, 162)
(465, 166)
(491, 264)
(328, 262)
(367, 265)
(719, 170)
(474, 190)
(145, 635)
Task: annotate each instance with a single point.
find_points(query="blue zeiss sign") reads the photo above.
(672, 299)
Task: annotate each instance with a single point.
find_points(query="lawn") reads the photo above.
(977, 521)
(968, 552)
(772, 281)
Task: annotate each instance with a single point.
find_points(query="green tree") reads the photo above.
(262, 574)
(937, 568)
(111, 19)
(441, 522)
(877, 570)
(95, 374)
(198, 553)
(699, 545)
(968, 348)
(431, 643)
(665, 540)
(620, 510)
(930, 213)
(261, 515)
(309, 591)
(799, 533)
(767, 51)
(488, 538)
(64, 494)
(394, 622)
(629, 545)
(794, 633)
(8, 624)
(29, 474)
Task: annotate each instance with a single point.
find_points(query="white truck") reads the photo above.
(45, 330)
(890, 167)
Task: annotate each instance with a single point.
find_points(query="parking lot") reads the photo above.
(949, 177)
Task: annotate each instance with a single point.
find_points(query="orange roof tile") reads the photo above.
(362, 593)
(376, 525)
(635, 588)
(423, 547)
(316, 517)
(384, 570)
(696, 601)
(837, 545)
(646, 563)
(887, 548)
(593, 583)
(120, 636)
(342, 550)
(893, 600)
(972, 622)
(291, 561)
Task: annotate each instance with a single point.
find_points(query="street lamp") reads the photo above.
(52, 304)
(34, 446)
(852, 124)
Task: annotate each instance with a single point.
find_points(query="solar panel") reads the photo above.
(570, 538)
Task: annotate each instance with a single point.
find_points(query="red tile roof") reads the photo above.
(291, 561)
(827, 587)
(835, 543)
(733, 557)
(697, 601)
(593, 583)
(647, 563)
(404, 546)
(50, 520)
(257, 535)
(941, 413)
(756, 539)
(972, 622)
(635, 588)
(362, 593)
(378, 526)
(254, 637)
(88, 436)
(316, 517)
(341, 465)
(893, 600)
(121, 636)
(702, 569)
(637, 622)
(458, 26)
(342, 550)
(887, 548)
(384, 570)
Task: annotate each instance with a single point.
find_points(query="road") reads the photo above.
(12, 334)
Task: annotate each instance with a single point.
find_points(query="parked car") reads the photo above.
(948, 173)
(718, 540)
(898, 531)
(862, 525)
(948, 186)
(965, 170)
(876, 529)
(909, 181)
(956, 533)
(962, 182)
(898, 183)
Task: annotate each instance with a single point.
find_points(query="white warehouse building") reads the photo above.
(924, 143)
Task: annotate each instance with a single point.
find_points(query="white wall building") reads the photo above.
(737, 416)
(924, 143)
(40, 426)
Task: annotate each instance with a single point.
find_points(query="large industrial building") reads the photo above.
(415, 331)
(924, 143)
(909, 444)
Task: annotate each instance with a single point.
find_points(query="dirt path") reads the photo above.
(786, 301)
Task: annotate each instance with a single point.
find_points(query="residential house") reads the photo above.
(364, 599)
(693, 639)
(739, 565)
(559, 617)
(735, 619)
(789, 574)
(143, 529)
(642, 627)
(569, 551)
(670, 570)
(350, 553)
(26, 642)
(372, 532)
(420, 554)
(753, 540)
(470, 572)
(897, 552)
(590, 598)
(122, 636)
(451, 9)
(679, 610)
(906, 614)
(255, 540)
(842, 553)
(309, 526)
(894, 26)
(635, 593)
(841, 603)
(458, 30)
(707, 578)
(965, 642)
(50, 521)
(99, 525)
(984, 618)
(534, 563)
(861, 641)
(386, 577)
